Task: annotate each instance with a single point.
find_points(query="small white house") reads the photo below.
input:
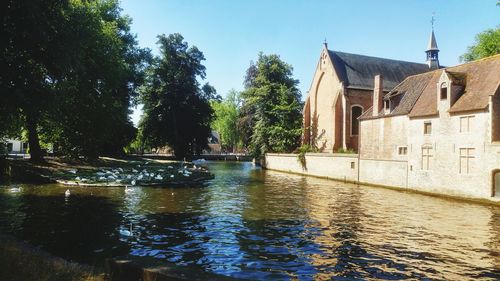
(14, 146)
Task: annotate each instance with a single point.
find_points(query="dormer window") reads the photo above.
(444, 91)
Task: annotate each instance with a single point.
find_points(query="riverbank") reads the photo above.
(106, 172)
(21, 262)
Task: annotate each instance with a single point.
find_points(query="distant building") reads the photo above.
(444, 124)
(14, 146)
(214, 142)
(341, 91)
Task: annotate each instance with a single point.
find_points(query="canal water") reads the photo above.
(255, 224)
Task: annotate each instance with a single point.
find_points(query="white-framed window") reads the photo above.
(466, 123)
(427, 128)
(427, 156)
(466, 160)
(356, 111)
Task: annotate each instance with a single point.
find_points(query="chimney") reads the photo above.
(378, 95)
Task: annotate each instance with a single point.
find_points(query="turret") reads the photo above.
(432, 52)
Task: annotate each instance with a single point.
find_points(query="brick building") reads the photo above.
(341, 90)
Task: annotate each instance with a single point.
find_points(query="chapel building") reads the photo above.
(341, 91)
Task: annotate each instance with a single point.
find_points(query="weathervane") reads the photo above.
(433, 20)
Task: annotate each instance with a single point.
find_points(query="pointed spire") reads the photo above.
(432, 49)
(325, 44)
(432, 42)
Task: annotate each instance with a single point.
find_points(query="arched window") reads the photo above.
(356, 111)
(444, 91)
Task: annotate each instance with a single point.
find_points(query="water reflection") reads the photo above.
(78, 227)
(263, 225)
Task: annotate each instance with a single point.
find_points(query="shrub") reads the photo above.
(346, 151)
(301, 154)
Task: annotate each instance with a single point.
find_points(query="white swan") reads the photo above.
(127, 233)
(67, 193)
(16, 189)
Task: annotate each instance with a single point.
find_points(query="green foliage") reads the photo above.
(346, 151)
(71, 71)
(301, 154)
(177, 112)
(272, 110)
(226, 114)
(3, 147)
(487, 44)
(137, 146)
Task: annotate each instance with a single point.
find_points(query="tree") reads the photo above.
(93, 97)
(246, 120)
(487, 44)
(272, 100)
(30, 33)
(226, 114)
(177, 112)
(69, 71)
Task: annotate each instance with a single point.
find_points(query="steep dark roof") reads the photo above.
(358, 71)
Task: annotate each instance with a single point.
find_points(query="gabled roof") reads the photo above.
(409, 90)
(482, 79)
(357, 71)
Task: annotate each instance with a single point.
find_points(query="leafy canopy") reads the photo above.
(69, 70)
(226, 114)
(177, 112)
(273, 107)
(487, 44)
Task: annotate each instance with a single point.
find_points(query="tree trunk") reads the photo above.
(33, 140)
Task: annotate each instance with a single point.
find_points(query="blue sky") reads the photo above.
(231, 33)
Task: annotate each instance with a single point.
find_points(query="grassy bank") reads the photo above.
(22, 262)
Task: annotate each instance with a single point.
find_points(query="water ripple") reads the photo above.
(262, 225)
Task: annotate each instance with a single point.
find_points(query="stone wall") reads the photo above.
(394, 173)
(390, 173)
(343, 167)
(446, 172)
(336, 166)
(381, 138)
